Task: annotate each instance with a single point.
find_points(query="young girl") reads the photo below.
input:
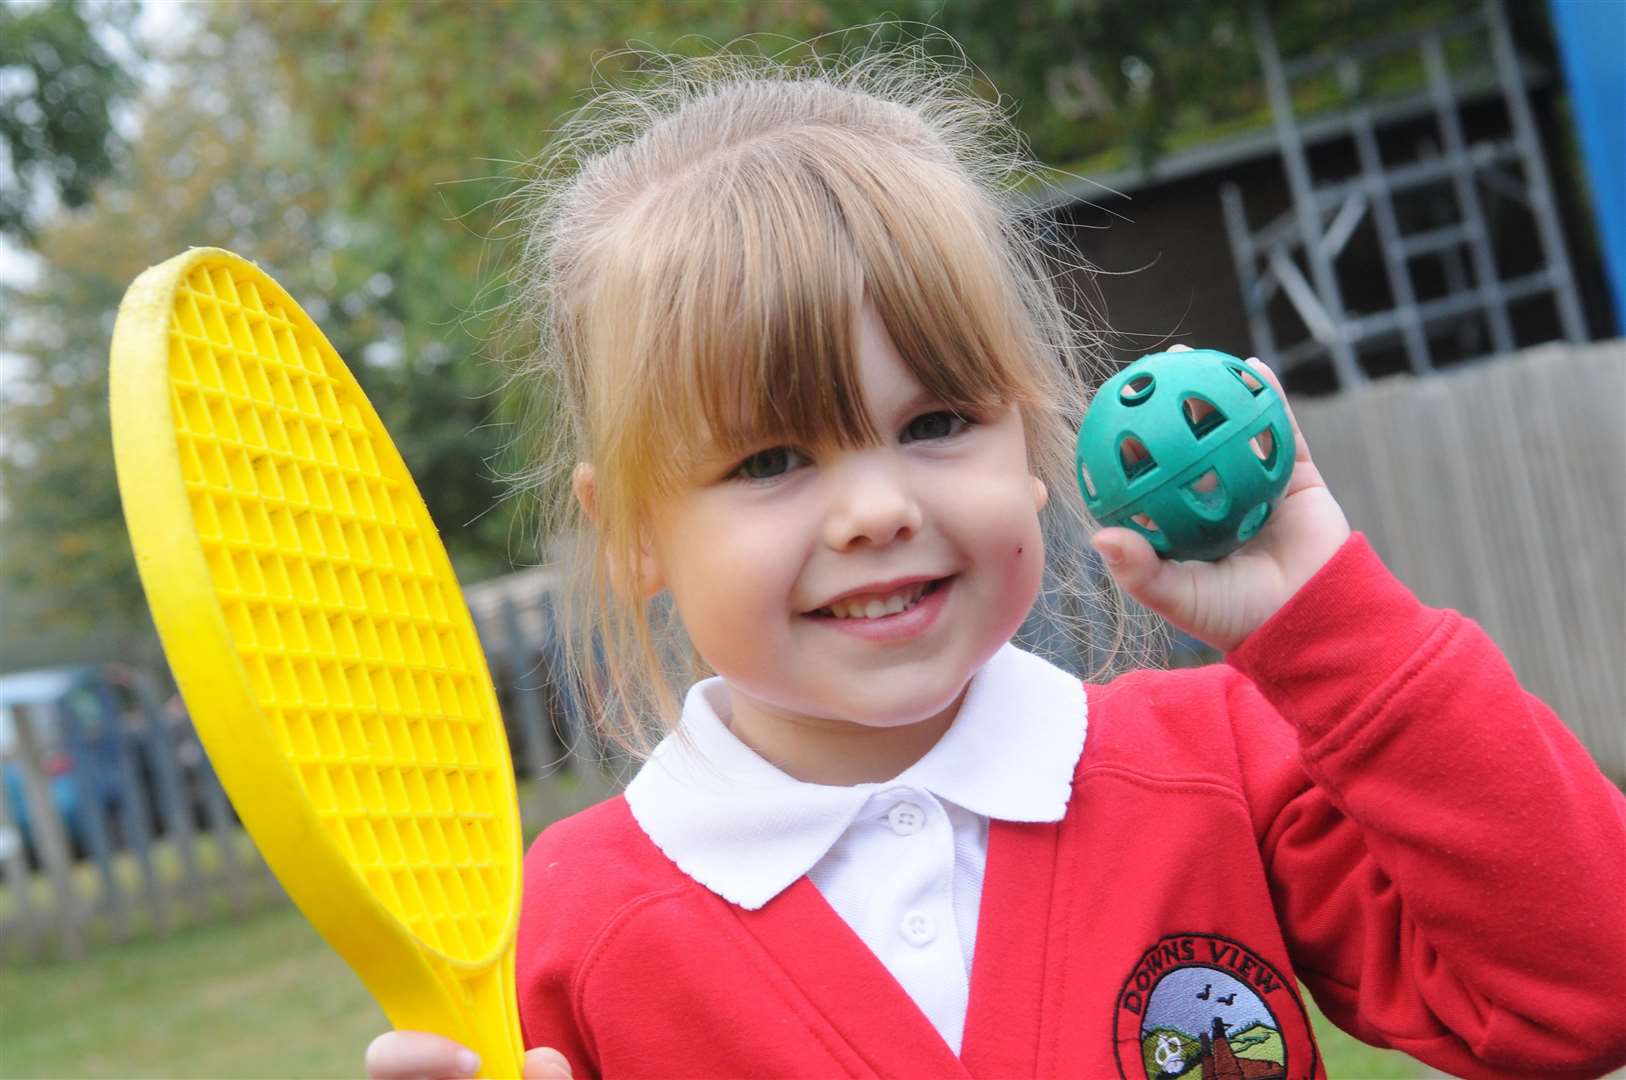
(820, 389)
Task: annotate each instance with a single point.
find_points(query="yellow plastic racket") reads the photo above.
(319, 637)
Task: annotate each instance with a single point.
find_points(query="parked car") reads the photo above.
(170, 752)
(105, 738)
(81, 746)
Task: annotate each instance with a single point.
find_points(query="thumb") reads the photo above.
(398, 1055)
(1156, 583)
(546, 1063)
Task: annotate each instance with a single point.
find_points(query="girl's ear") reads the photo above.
(650, 579)
(581, 482)
(1041, 494)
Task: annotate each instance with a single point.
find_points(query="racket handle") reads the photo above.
(477, 1008)
(491, 1022)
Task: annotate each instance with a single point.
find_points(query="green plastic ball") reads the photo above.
(1191, 449)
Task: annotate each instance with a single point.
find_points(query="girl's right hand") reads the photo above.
(418, 1055)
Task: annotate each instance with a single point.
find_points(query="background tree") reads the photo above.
(354, 150)
(372, 226)
(196, 176)
(60, 88)
(420, 117)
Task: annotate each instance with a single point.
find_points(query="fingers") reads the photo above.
(546, 1063)
(418, 1055)
(1119, 548)
(1301, 449)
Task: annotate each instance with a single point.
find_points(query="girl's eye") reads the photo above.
(767, 464)
(936, 425)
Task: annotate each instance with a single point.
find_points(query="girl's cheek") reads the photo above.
(1025, 564)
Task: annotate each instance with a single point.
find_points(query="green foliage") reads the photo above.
(194, 178)
(356, 150)
(60, 556)
(420, 117)
(59, 89)
(1133, 79)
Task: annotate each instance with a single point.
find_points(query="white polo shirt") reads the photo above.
(902, 861)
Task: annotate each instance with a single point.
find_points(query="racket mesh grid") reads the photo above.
(360, 653)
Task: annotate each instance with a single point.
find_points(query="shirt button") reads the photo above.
(919, 929)
(906, 818)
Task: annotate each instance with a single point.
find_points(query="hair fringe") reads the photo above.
(629, 660)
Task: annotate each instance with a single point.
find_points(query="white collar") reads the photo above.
(747, 831)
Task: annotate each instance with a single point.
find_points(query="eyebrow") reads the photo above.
(712, 453)
(921, 400)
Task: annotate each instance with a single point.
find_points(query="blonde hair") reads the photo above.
(696, 249)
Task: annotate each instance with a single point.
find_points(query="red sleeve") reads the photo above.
(1452, 882)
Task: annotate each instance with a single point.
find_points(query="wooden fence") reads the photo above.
(160, 846)
(1498, 490)
(145, 841)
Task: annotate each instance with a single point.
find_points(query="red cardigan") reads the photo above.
(1361, 798)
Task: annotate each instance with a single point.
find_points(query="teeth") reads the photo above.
(874, 607)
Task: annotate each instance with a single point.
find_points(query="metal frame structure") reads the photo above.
(1326, 212)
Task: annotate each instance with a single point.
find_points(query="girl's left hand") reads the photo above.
(419, 1055)
(1223, 602)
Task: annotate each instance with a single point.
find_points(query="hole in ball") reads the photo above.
(1207, 496)
(1087, 480)
(1264, 447)
(1137, 460)
(1202, 416)
(1137, 389)
(1249, 379)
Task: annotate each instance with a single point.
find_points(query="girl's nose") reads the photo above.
(872, 503)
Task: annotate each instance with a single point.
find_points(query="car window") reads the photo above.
(86, 706)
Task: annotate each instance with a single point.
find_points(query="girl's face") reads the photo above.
(755, 552)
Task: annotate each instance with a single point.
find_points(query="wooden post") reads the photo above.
(20, 933)
(50, 838)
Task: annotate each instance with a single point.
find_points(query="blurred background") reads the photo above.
(1416, 211)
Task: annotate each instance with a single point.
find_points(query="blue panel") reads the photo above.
(1592, 41)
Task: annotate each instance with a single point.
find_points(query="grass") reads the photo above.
(1348, 1057)
(260, 996)
(263, 996)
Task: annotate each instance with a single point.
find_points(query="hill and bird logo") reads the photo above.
(1205, 1006)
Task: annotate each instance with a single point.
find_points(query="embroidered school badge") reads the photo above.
(1202, 1005)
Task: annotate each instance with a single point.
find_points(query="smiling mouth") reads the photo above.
(879, 607)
